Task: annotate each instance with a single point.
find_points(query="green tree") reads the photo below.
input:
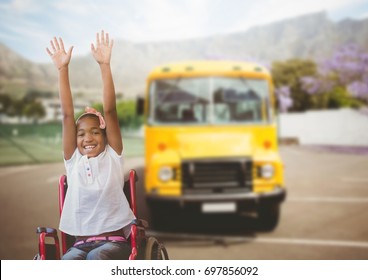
(5, 103)
(288, 73)
(127, 114)
(34, 110)
(16, 108)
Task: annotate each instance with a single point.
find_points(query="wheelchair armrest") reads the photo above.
(47, 230)
(141, 223)
(48, 251)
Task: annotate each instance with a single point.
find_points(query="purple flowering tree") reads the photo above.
(284, 98)
(344, 77)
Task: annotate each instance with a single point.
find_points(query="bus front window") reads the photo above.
(219, 100)
(180, 100)
(240, 100)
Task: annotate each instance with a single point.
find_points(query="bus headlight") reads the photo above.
(165, 173)
(267, 171)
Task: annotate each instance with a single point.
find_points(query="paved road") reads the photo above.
(324, 217)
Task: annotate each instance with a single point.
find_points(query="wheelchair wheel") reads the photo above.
(155, 250)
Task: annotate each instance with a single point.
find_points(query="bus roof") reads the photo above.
(209, 67)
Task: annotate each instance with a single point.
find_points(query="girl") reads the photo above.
(95, 210)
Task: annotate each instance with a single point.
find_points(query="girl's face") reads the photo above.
(91, 140)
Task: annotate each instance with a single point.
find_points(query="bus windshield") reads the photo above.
(215, 100)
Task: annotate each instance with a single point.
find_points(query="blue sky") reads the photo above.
(28, 25)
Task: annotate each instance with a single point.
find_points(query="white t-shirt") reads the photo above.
(95, 202)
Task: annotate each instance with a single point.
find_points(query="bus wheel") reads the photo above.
(268, 216)
(163, 216)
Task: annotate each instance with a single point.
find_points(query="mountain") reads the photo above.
(311, 36)
(18, 74)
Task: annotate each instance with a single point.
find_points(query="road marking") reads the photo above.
(329, 199)
(12, 170)
(314, 242)
(276, 240)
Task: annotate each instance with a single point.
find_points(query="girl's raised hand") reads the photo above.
(59, 56)
(102, 51)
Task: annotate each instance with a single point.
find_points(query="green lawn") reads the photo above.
(32, 145)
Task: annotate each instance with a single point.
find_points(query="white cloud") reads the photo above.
(20, 6)
(171, 20)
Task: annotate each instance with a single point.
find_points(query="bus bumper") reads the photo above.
(243, 201)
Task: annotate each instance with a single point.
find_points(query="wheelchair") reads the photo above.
(144, 247)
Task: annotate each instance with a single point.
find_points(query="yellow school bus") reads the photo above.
(211, 141)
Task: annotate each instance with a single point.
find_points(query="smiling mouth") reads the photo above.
(89, 147)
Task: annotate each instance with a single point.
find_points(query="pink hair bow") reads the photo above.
(89, 110)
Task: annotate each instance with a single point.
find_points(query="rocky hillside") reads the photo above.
(311, 36)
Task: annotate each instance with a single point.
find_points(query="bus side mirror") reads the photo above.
(140, 106)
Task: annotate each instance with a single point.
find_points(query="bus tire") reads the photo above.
(268, 216)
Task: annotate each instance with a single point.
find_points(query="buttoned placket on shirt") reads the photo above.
(88, 170)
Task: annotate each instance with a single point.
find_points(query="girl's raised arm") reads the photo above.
(102, 53)
(61, 59)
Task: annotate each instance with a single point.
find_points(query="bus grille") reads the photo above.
(217, 175)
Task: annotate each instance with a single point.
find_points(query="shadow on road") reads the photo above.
(185, 228)
(208, 230)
